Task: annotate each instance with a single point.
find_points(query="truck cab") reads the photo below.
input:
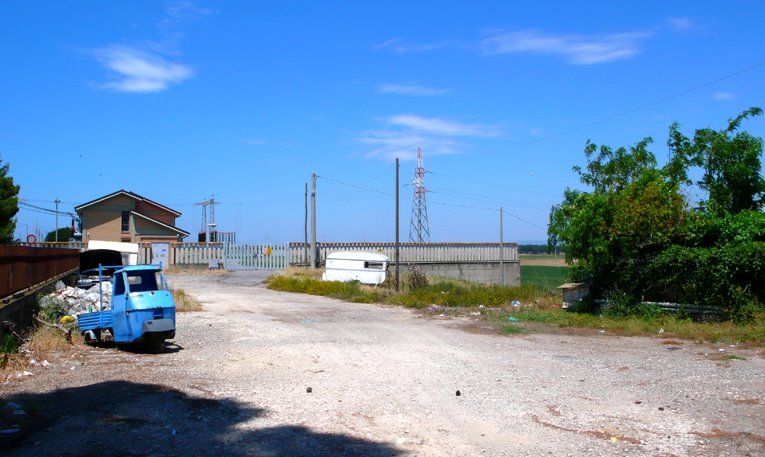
(142, 308)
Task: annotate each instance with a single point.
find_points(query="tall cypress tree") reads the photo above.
(9, 204)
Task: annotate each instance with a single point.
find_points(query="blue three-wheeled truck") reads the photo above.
(142, 308)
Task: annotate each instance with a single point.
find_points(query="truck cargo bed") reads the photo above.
(95, 320)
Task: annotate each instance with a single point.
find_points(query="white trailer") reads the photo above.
(365, 267)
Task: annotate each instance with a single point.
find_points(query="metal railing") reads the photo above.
(22, 267)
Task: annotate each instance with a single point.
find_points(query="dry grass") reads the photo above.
(184, 302)
(45, 340)
(314, 273)
(44, 343)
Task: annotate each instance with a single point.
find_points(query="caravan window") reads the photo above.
(374, 265)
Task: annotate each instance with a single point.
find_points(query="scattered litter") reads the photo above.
(661, 408)
(661, 330)
(173, 432)
(26, 373)
(45, 363)
(458, 393)
(637, 402)
(66, 319)
(19, 412)
(8, 431)
(516, 303)
(721, 350)
(308, 390)
(12, 405)
(602, 331)
(477, 313)
(512, 319)
(306, 321)
(481, 306)
(33, 362)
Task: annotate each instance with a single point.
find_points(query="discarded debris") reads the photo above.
(512, 319)
(65, 303)
(516, 303)
(308, 389)
(458, 393)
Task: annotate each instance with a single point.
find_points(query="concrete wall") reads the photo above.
(480, 272)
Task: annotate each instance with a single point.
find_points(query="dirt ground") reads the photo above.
(260, 372)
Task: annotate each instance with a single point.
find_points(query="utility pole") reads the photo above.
(305, 226)
(314, 260)
(395, 284)
(56, 201)
(501, 251)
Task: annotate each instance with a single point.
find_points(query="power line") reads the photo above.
(631, 110)
(355, 186)
(488, 199)
(454, 205)
(500, 186)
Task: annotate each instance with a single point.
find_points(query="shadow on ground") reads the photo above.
(132, 419)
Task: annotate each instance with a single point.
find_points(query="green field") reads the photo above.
(545, 277)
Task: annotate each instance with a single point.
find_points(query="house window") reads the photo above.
(126, 222)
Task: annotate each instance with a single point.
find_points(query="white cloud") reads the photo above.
(724, 95)
(575, 49)
(406, 132)
(138, 71)
(399, 46)
(389, 145)
(440, 126)
(680, 23)
(411, 89)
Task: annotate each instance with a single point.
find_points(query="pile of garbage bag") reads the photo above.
(71, 301)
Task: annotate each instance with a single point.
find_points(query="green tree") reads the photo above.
(64, 234)
(635, 237)
(633, 211)
(9, 204)
(731, 163)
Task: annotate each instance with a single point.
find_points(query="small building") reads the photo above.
(574, 292)
(125, 216)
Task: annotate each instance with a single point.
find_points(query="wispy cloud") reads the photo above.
(680, 23)
(405, 132)
(178, 16)
(411, 89)
(399, 46)
(724, 95)
(441, 126)
(133, 70)
(145, 67)
(573, 48)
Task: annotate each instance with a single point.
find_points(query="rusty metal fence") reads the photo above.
(22, 267)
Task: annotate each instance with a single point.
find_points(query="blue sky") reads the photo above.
(179, 100)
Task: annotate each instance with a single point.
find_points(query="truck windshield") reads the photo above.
(145, 281)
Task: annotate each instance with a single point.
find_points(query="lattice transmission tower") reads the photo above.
(419, 230)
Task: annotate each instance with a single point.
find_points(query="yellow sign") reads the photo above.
(269, 251)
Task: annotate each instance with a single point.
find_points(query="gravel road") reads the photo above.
(260, 372)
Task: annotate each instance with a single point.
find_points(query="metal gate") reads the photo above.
(254, 257)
